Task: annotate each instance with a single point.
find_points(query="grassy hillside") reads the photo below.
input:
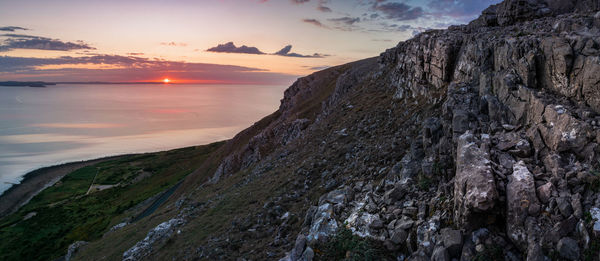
(70, 211)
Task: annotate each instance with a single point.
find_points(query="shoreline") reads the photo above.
(37, 180)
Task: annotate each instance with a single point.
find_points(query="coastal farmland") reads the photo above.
(70, 211)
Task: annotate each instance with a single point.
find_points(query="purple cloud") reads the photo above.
(324, 9)
(20, 41)
(12, 28)
(314, 22)
(464, 10)
(346, 20)
(231, 48)
(398, 11)
(286, 52)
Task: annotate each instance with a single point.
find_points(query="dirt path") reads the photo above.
(36, 181)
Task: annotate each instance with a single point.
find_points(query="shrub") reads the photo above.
(347, 246)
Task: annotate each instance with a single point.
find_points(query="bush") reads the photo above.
(346, 246)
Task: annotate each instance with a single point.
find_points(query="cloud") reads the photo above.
(398, 28)
(345, 23)
(231, 48)
(314, 22)
(346, 20)
(20, 36)
(398, 11)
(321, 7)
(20, 41)
(286, 52)
(324, 9)
(14, 64)
(317, 68)
(135, 54)
(463, 10)
(130, 69)
(173, 44)
(12, 28)
(381, 40)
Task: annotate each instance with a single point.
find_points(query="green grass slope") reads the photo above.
(66, 212)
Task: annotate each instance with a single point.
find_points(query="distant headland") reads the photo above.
(44, 84)
(25, 84)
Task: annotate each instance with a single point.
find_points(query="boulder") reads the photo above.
(535, 253)
(308, 254)
(158, 235)
(576, 205)
(452, 240)
(506, 160)
(595, 213)
(564, 206)
(395, 194)
(565, 226)
(563, 131)
(376, 223)
(553, 164)
(521, 202)
(298, 248)
(73, 249)
(335, 197)
(440, 254)
(568, 248)
(410, 168)
(545, 192)
(324, 224)
(398, 236)
(405, 223)
(522, 149)
(474, 185)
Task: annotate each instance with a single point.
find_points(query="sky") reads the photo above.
(207, 41)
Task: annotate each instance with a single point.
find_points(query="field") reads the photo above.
(70, 211)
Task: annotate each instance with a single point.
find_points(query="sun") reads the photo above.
(166, 80)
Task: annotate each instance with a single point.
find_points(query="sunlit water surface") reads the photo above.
(46, 126)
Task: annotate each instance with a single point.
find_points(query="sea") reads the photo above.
(63, 123)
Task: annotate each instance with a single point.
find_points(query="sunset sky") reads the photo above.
(207, 41)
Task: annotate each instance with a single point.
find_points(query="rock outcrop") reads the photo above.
(517, 88)
(478, 142)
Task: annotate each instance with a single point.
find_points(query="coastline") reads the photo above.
(37, 180)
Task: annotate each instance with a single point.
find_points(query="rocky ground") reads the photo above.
(479, 142)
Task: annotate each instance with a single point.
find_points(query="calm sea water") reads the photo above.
(46, 126)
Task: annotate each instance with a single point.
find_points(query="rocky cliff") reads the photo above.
(479, 142)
